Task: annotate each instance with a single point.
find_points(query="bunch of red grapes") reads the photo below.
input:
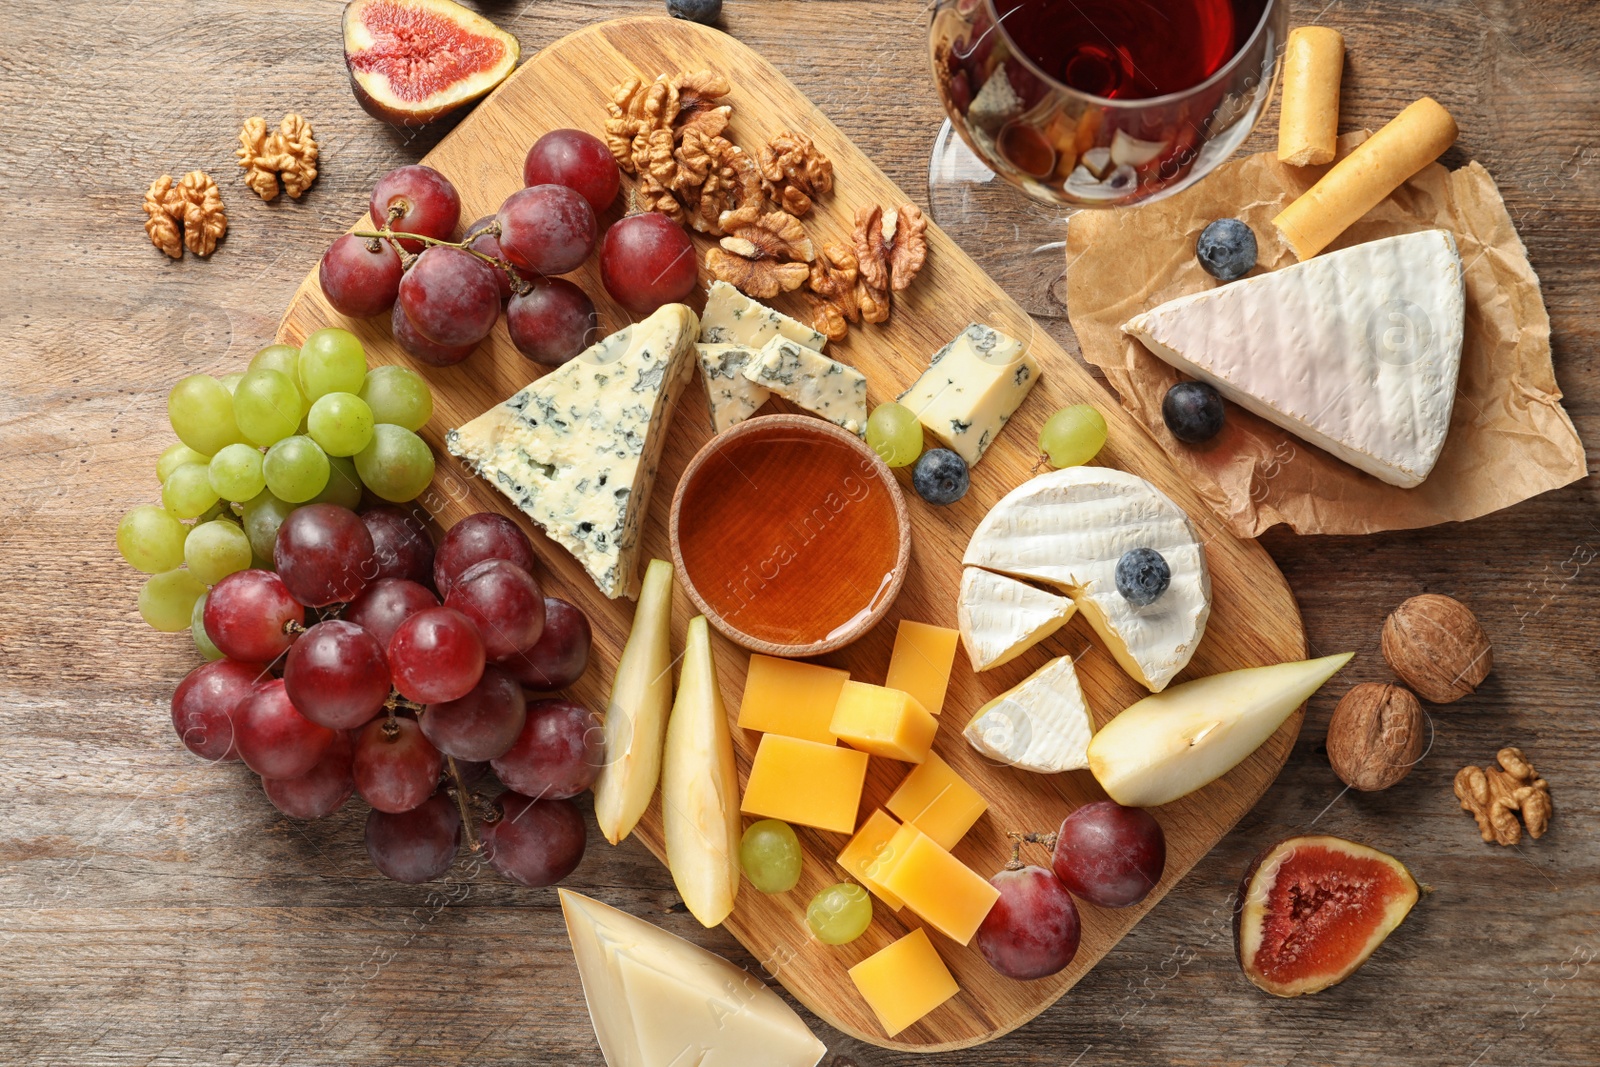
(371, 663)
(444, 296)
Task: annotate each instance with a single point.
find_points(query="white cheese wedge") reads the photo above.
(1068, 528)
(577, 450)
(1042, 725)
(732, 397)
(971, 388)
(812, 381)
(1000, 618)
(1355, 351)
(731, 318)
(658, 1001)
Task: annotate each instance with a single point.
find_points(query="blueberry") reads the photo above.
(1142, 576)
(702, 11)
(1226, 249)
(1193, 412)
(940, 476)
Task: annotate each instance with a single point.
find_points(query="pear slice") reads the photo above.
(1171, 743)
(641, 694)
(700, 787)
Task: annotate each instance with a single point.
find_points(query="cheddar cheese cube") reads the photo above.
(868, 852)
(805, 782)
(904, 982)
(947, 894)
(885, 722)
(921, 661)
(785, 696)
(938, 801)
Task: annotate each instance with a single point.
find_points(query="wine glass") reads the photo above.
(1085, 104)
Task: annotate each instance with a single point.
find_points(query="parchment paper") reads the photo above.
(1509, 437)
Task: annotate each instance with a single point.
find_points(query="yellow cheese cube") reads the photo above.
(805, 782)
(885, 722)
(920, 664)
(947, 894)
(785, 696)
(938, 802)
(904, 982)
(867, 854)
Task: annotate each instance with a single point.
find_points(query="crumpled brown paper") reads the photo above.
(1509, 437)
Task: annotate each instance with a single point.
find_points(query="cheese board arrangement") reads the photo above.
(704, 473)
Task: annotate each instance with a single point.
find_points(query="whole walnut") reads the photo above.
(1435, 645)
(1375, 736)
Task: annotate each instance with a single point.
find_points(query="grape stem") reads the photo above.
(1031, 838)
(519, 285)
(458, 789)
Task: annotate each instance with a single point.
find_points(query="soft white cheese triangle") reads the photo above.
(657, 1000)
(577, 450)
(1355, 351)
(1000, 618)
(1042, 725)
(1068, 528)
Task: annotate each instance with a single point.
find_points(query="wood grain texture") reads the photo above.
(1253, 618)
(157, 911)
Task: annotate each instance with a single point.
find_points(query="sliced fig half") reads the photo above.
(414, 61)
(1312, 908)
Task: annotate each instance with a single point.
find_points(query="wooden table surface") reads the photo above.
(157, 911)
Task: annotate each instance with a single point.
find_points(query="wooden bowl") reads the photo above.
(790, 535)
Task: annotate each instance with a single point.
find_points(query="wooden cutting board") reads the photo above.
(1254, 619)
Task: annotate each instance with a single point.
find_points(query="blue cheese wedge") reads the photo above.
(1355, 351)
(732, 397)
(731, 318)
(1042, 725)
(577, 450)
(812, 381)
(971, 388)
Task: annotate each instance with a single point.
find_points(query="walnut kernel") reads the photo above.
(1435, 645)
(794, 172)
(1375, 736)
(1497, 795)
(164, 207)
(204, 220)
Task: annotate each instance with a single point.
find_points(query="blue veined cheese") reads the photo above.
(577, 450)
(731, 396)
(971, 388)
(1042, 725)
(731, 318)
(812, 381)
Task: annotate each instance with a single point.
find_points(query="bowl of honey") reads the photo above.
(790, 535)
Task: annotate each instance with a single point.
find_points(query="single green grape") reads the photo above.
(235, 473)
(1073, 436)
(175, 457)
(285, 359)
(331, 361)
(344, 484)
(770, 854)
(197, 630)
(894, 433)
(187, 492)
(341, 423)
(397, 465)
(213, 550)
(296, 469)
(201, 411)
(262, 517)
(398, 395)
(167, 600)
(839, 914)
(269, 407)
(151, 539)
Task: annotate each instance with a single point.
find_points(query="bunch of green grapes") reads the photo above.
(300, 426)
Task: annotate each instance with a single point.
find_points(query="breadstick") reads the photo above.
(1308, 122)
(1357, 183)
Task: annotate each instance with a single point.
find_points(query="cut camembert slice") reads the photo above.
(1356, 351)
(1043, 724)
(1000, 618)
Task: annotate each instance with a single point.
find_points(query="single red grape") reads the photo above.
(419, 347)
(336, 675)
(485, 535)
(647, 261)
(424, 199)
(489, 245)
(504, 603)
(320, 791)
(273, 738)
(558, 753)
(360, 276)
(395, 767)
(247, 613)
(324, 555)
(435, 655)
(400, 543)
(480, 725)
(417, 845)
(535, 842)
(578, 160)
(545, 229)
(204, 702)
(1032, 931)
(450, 296)
(560, 655)
(552, 322)
(1110, 855)
(385, 604)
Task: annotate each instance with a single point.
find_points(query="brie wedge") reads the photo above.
(1068, 528)
(1355, 351)
(1042, 725)
(1000, 618)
